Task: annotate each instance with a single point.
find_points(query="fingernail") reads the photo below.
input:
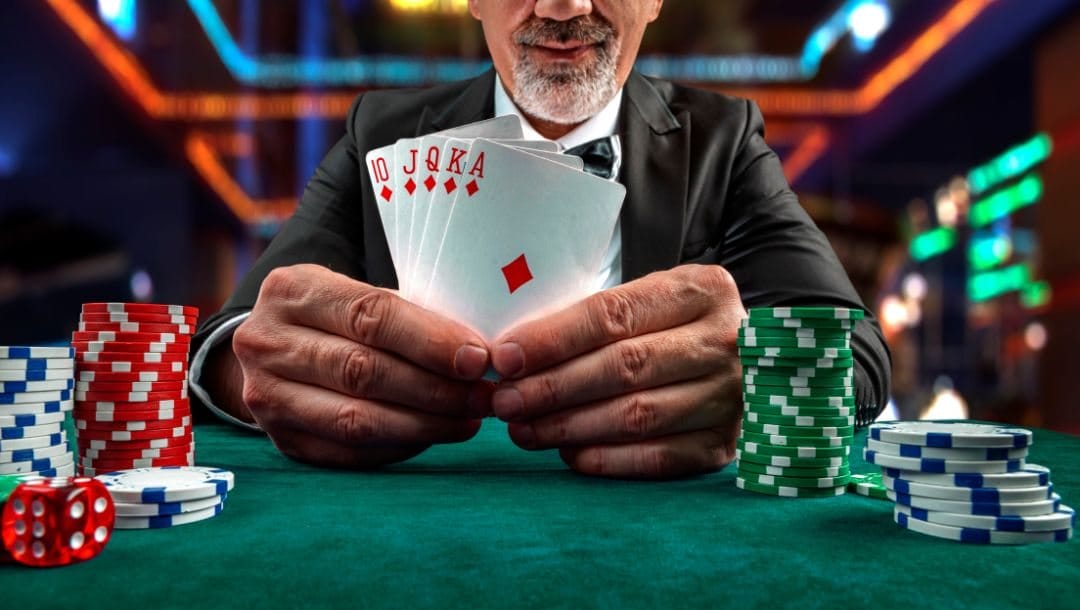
(508, 359)
(507, 403)
(470, 361)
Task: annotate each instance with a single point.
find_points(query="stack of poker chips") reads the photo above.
(131, 394)
(151, 498)
(35, 398)
(799, 404)
(967, 482)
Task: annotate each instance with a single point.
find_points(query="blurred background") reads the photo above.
(149, 149)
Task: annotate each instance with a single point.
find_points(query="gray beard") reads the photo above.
(566, 95)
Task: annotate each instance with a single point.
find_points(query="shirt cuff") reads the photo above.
(222, 333)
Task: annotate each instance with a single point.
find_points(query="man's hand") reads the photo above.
(340, 373)
(640, 381)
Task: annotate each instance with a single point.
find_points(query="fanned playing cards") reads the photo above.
(489, 229)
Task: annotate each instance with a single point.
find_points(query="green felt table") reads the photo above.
(485, 524)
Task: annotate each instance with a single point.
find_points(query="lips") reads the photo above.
(562, 50)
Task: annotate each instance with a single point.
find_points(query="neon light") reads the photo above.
(1005, 202)
(804, 155)
(201, 155)
(989, 252)
(1036, 294)
(932, 243)
(867, 21)
(1010, 164)
(401, 71)
(990, 284)
(120, 15)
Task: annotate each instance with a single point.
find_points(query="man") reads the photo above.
(641, 380)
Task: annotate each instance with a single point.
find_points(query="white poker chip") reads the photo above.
(30, 419)
(35, 352)
(906, 519)
(24, 455)
(990, 509)
(986, 495)
(945, 434)
(33, 442)
(147, 523)
(36, 375)
(952, 453)
(167, 484)
(939, 466)
(13, 387)
(36, 364)
(1031, 475)
(167, 508)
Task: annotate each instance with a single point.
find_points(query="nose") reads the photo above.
(562, 10)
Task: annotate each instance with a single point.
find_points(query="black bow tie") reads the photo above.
(600, 156)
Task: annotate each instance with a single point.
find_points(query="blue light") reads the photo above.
(867, 20)
(399, 71)
(120, 15)
(7, 163)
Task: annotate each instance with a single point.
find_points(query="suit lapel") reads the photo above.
(655, 173)
(476, 102)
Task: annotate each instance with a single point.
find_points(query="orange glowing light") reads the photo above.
(806, 153)
(201, 154)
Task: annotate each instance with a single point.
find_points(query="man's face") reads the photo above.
(562, 61)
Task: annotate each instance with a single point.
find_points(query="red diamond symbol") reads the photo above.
(472, 187)
(450, 185)
(386, 193)
(517, 273)
(410, 186)
(429, 183)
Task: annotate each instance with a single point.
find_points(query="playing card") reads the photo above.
(379, 163)
(526, 238)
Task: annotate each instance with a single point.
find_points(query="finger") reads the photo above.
(656, 302)
(316, 297)
(314, 357)
(704, 403)
(669, 457)
(305, 447)
(279, 403)
(619, 368)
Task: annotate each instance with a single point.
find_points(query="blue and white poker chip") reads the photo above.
(906, 520)
(16, 432)
(38, 465)
(1031, 475)
(36, 364)
(1064, 517)
(949, 434)
(936, 465)
(35, 352)
(160, 509)
(167, 484)
(29, 455)
(954, 453)
(37, 408)
(984, 495)
(30, 419)
(21, 397)
(35, 442)
(132, 523)
(990, 509)
(36, 374)
(12, 387)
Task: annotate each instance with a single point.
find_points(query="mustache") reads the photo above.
(588, 29)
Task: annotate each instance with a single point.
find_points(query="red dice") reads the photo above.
(57, 521)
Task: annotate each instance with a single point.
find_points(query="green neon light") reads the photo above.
(1012, 163)
(989, 252)
(932, 243)
(1035, 294)
(990, 284)
(1006, 201)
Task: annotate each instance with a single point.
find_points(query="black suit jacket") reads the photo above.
(702, 187)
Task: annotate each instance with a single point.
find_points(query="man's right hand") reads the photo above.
(341, 373)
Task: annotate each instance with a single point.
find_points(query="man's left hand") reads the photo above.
(639, 381)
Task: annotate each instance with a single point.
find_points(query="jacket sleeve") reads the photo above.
(779, 257)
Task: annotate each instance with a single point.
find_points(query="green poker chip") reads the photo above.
(787, 491)
(797, 441)
(823, 313)
(806, 483)
(799, 382)
(794, 371)
(802, 473)
(792, 462)
(775, 390)
(798, 420)
(868, 484)
(799, 401)
(819, 323)
(795, 333)
(821, 364)
(794, 452)
(807, 431)
(764, 409)
(799, 342)
(832, 353)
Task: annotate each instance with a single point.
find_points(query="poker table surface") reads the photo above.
(485, 524)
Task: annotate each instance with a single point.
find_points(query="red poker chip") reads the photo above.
(156, 424)
(128, 464)
(153, 308)
(131, 416)
(101, 444)
(129, 376)
(130, 396)
(150, 318)
(129, 337)
(134, 435)
(134, 347)
(180, 330)
(133, 454)
(133, 358)
(176, 365)
(123, 405)
(129, 386)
